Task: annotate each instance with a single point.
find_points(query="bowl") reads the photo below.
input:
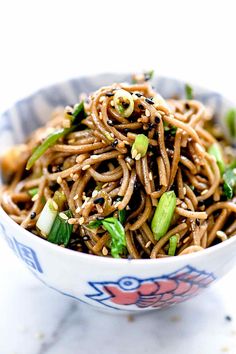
(117, 285)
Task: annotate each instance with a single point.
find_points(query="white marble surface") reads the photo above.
(37, 320)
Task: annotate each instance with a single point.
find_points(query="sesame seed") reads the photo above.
(100, 200)
(184, 190)
(115, 142)
(81, 220)
(86, 238)
(100, 116)
(75, 177)
(63, 216)
(101, 99)
(104, 251)
(59, 179)
(100, 218)
(35, 197)
(110, 94)
(112, 135)
(127, 207)
(134, 153)
(85, 167)
(184, 205)
(110, 122)
(71, 175)
(95, 193)
(149, 101)
(32, 215)
(147, 113)
(148, 244)
(112, 103)
(72, 221)
(222, 235)
(204, 192)
(138, 94)
(94, 157)
(78, 210)
(138, 157)
(150, 176)
(157, 119)
(186, 239)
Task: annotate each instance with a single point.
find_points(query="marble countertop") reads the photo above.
(37, 320)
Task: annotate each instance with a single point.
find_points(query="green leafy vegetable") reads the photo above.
(33, 191)
(140, 146)
(231, 122)
(148, 75)
(215, 151)
(52, 138)
(122, 216)
(173, 241)
(117, 232)
(163, 214)
(61, 230)
(229, 178)
(188, 92)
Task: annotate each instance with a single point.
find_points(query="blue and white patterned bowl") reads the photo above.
(112, 284)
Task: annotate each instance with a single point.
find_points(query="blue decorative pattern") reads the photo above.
(26, 253)
(156, 292)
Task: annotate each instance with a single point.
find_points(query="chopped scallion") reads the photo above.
(47, 217)
(33, 191)
(61, 230)
(140, 146)
(124, 103)
(231, 122)
(173, 241)
(188, 92)
(163, 214)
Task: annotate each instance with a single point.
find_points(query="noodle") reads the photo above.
(104, 176)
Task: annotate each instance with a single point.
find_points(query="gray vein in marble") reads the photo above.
(59, 328)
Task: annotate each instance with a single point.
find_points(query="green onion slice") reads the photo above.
(47, 217)
(124, 103)
(117, 232)
(215, 150)
(61, 230)
(231, 122)
(163, 214)
(33, 191)
(173, 241)
(229, 178)
(140, 146)
(188, 92)
(78, 115)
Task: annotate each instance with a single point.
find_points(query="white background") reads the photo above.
(42, 42)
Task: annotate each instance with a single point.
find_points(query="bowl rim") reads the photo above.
(67, 251)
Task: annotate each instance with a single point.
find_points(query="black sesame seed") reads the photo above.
(187, 106)
(110, 122)
(99, 200)
(138, 94)
(100, 218)
(86, 238)
(115, 142)
(140, 106)
(32, 215)
(110, 94)
(149, 100)
(157, 120)
(69, 113)
(198, 222)
(126, 130)
(228, 318)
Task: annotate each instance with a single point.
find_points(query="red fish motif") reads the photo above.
(156, 292)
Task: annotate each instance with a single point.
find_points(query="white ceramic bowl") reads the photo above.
(113, 284)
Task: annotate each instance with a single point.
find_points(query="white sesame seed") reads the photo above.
(75, 177)
(112, 135)
(134, 153)
(63, 216)
(59, 179)
(222, 235)
(95, 193)
(94, 157)
(186, 239)
(204, 192)
(101, 99)
(85, 167)
(112, 103)
(147, 113)
(184, 190)
(138, 157)
(71, 175)
(72, 221)
(184, 205)
(78, 210)
(104, 251)
(35, 197)
(148, 244)
(127, 207)
(150, 176)
(81, 220)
